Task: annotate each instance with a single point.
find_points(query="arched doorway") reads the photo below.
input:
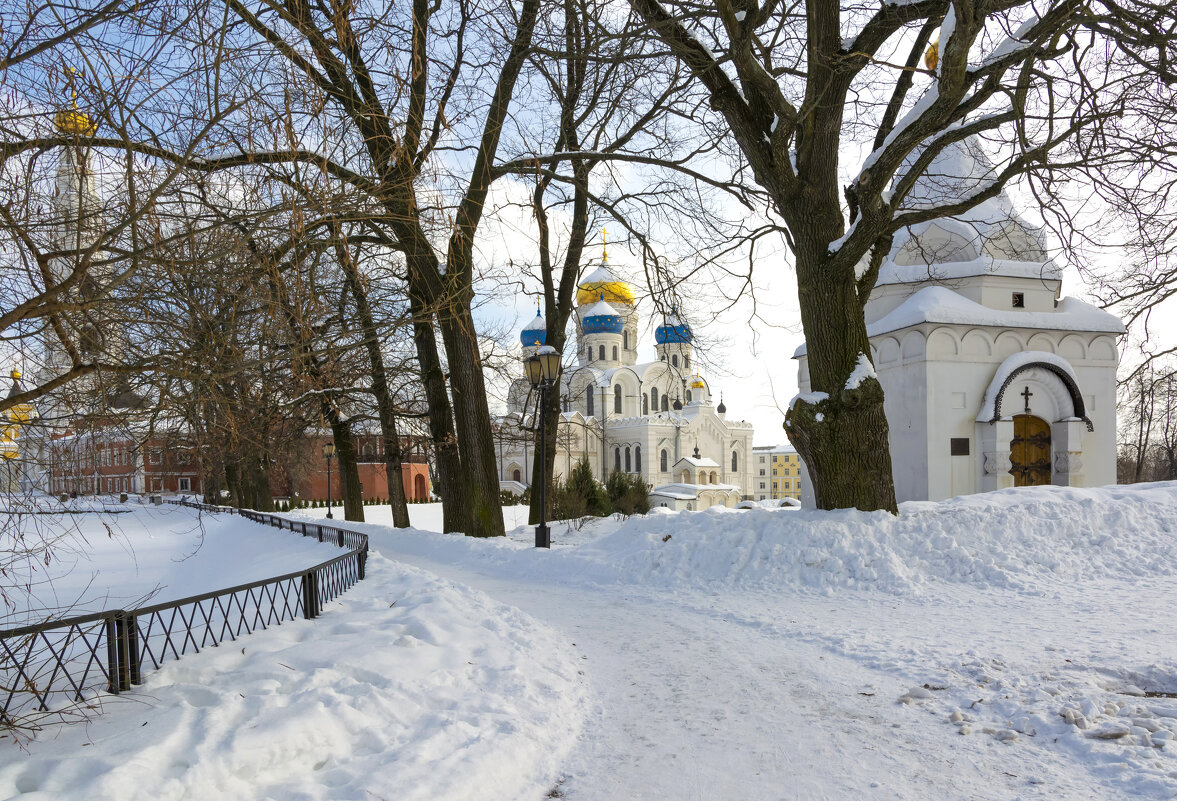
(1029, 451)
(419, 491)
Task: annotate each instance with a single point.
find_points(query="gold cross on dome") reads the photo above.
(605, 246)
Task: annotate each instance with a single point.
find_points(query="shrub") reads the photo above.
(579, 495)
(628, 493)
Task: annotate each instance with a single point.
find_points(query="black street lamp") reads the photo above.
(329, 454)
(542, 368)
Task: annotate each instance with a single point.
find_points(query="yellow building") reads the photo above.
(776, 473)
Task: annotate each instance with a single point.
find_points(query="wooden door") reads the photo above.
(1029, 451)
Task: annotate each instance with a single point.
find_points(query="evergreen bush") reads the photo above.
(628, 493)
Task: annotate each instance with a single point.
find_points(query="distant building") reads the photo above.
(644, 419)
(777, 473)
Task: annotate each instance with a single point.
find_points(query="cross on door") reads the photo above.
(1027, 394)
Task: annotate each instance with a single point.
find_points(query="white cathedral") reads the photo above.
(992, 379)
(653, 419)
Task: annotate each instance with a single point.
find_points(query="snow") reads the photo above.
(740, 15)
(1014, 43)
(936, 304)
(892, 273)
(1010, 645)
(863, 370)
(811, 398)
(134, 555)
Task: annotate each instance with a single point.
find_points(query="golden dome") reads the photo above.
(72, 122)
(932, 57)
(698, 383)
(603, 281)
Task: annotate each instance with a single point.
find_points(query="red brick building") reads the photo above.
(110, 462)
(373, 474)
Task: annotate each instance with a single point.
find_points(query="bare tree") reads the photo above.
(795, 85)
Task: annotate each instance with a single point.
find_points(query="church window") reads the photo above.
(617, 398)
(601, 352)
(590, 402)
(686, 362)
(625, 340)
(665, 403)
(654, 399)
(674, 360)
(515, 475)
(614, 353)
(661, 357)
(688, 396)
(662, 462)
(645, 405)
(637, 458)
(1019, 300)
(617, 460)
(735, 461)
(628, 460)
(588, 353)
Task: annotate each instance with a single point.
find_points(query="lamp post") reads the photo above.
(542, 368)
(329, 454)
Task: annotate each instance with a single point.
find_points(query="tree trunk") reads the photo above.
(472, 419)
(455, 511)
(349, 471)
(380, 392)
(842, 438)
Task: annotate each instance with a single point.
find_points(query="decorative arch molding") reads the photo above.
(1043, 342)
(977, 342)
(913, 346)
(1019, 363)
(887, 351)
(943, 344)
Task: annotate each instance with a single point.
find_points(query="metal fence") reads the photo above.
(48, 668)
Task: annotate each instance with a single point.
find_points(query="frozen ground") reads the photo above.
(132, 554)
(1017, 645)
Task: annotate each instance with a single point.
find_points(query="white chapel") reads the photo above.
(654, 419)
(992, 379)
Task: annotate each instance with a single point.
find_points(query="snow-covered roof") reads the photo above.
(935, 304)
(689, 492)
(599, 309)
(703, 462)
(991, 238)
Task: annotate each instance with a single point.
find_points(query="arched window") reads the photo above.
(686, 362)
(515, 475)
(674, 359)
(735, 462)
(601, 352)
(617, 460)
(665, 403)
(645, 405)
(688, 396)
(637, 458)
(654, 399)
(614, 353)
(713, 481)
(625, 340)
(588, 353)
(590, 402)
(664, 462)
(661, 357)
(617, 398)
(628, 462)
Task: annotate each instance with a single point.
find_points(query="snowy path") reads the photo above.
(794, 697)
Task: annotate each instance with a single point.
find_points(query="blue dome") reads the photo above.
(534, 333)
(673, 330)
(601, 318)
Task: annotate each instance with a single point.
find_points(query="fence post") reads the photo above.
(320, 528)
(134, 666)
(341, 545)
(123, 650)
(362, 556)
(112, 656)
(310, 595)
